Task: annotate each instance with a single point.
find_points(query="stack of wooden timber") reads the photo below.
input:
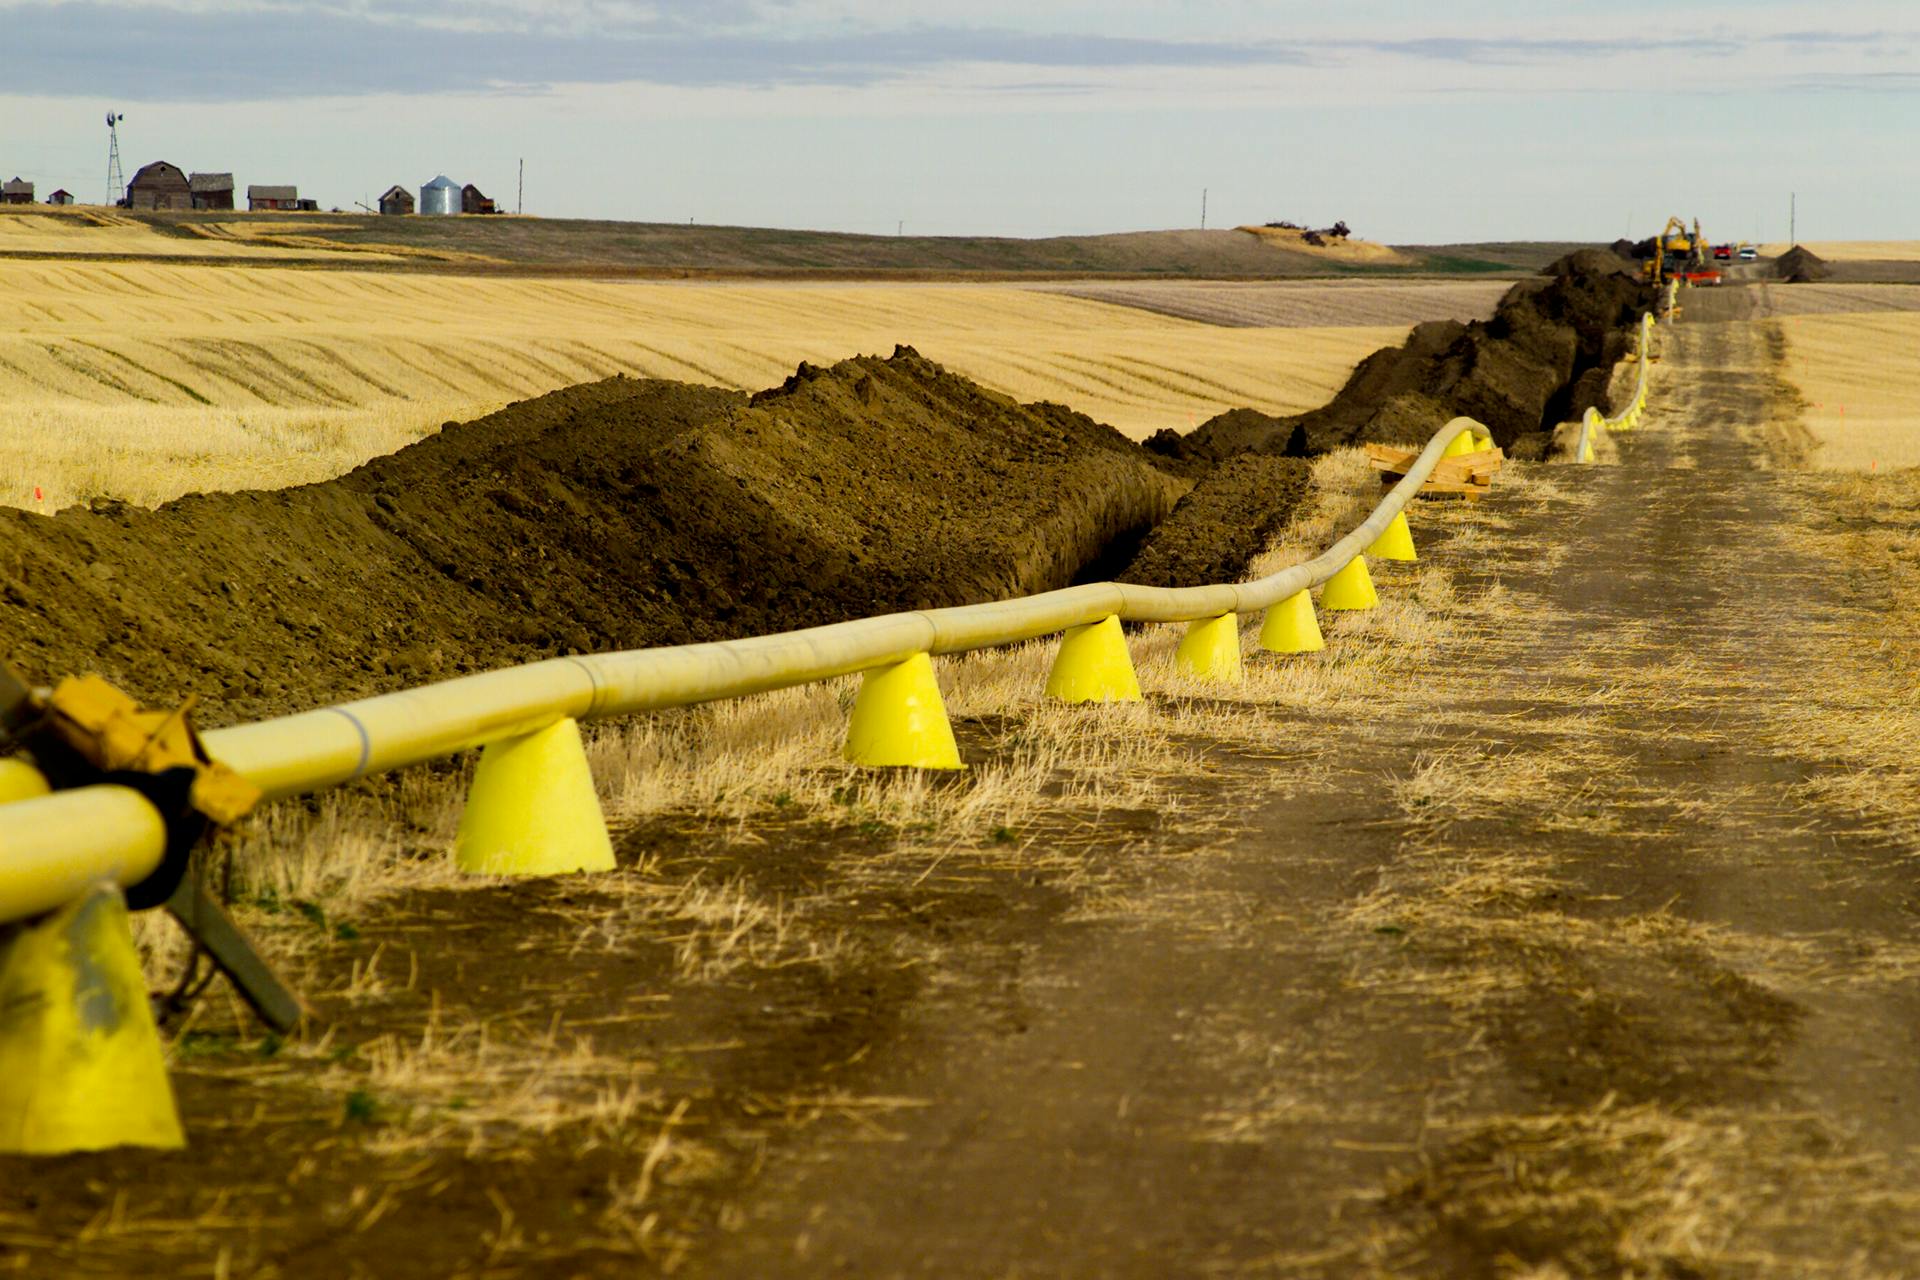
(1467, 475)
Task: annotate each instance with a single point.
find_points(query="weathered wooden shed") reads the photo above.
(62, 196)
(266, 197)
(211, 190)
(159, 186)
(473, 200)
(396, 200)
(16, 191)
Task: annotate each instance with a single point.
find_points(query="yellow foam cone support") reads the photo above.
(899, 719)
(1211, 650)
(533, 810)
(1093, 665)
(20, 781)
(1351, 588)
(81, 1068)
(1462, 443)
(1395, 541)
(1290, 627)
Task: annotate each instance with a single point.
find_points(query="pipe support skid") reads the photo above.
(313, 750)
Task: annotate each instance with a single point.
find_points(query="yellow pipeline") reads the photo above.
(53, 847)
(313, 750)
(1592, 424)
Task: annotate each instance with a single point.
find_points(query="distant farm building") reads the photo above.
(211, 190)
(16, 191)
(263, 197)
(159, 186)
(62, 196)
(396, 200)
(472, 200)
(442, 195)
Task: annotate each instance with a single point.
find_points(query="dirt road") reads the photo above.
(1592, 963)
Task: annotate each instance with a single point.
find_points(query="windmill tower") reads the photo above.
(116, 180)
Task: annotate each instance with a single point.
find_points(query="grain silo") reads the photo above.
(442, 195)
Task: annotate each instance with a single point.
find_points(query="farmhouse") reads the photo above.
(396, 200)
(159, 186)
(473, 201)
(211, 190)
(62, 196)
(16, 191)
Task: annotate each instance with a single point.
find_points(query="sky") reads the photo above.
(1414, 121)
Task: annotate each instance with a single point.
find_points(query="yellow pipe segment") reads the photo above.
(313, 750)
(54, 847)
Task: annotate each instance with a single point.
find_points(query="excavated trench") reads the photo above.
(629, 512)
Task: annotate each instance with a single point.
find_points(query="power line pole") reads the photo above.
(1793, 219)
(520, 200)
(1203, 208)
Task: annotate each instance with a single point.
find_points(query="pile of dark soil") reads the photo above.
(1519, 373)
(1800, 265)
(615, 514)
(1219, 527)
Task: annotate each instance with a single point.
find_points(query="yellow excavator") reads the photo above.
(1676, 252)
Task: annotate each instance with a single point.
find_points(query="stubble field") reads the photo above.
(1853, 353)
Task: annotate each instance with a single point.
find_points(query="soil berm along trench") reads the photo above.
(1557, 920)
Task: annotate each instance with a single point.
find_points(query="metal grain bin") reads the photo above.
(442, 195)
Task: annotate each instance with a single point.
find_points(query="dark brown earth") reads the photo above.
(1517, 373)
(1801, 265)
(612, 515)
(1216, 530)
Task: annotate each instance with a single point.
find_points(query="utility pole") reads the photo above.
(520, 200)
(1793, 219)
(1203, 208)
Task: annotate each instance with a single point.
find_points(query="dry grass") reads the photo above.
(1859, 375)
(148, 381)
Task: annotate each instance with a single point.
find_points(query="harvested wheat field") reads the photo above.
(1858, 376)
(1302, 304)
(144, 382)
(1555, 920)
(89, 231)
(1854, 250)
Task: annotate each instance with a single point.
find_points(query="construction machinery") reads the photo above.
(1681, 254)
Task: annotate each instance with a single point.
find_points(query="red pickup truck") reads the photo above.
(1723, 252)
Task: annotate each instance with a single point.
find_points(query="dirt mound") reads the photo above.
(1219, 527)
(1517, 373)
(1327, 244)
(614, 514)
(1800, 265)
